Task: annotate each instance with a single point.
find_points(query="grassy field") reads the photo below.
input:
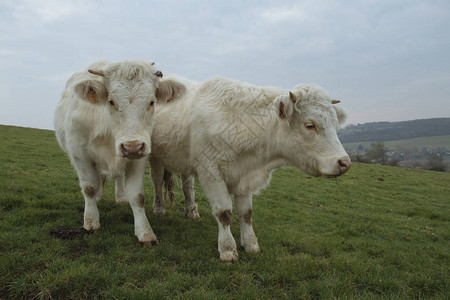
(376, 232)
(430, 142)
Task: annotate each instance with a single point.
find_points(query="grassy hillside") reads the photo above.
(430, 142)
(391, 131)
(375, 232)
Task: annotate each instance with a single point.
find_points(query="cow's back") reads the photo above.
(203, 119)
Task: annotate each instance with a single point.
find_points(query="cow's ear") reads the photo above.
(341, 114)
(93, 91)
(169, 90)
(285, 105)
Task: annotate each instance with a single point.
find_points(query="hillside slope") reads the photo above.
(428, 142)
(375, 232)
(389, 131)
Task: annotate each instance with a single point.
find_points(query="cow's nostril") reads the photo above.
(142, 148)
(123, 149)
(344, 165)
(132, 148)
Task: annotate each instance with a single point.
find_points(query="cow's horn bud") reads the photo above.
(97, 72)
(292, 97)
(159, 74)
(335, 101)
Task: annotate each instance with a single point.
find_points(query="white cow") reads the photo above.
(104, 123)
(233, 135)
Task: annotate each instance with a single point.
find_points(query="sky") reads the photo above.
(386, 60)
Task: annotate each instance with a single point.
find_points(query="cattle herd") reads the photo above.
(114, 117)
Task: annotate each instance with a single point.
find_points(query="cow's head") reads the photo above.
(128, 91)
(309, 121)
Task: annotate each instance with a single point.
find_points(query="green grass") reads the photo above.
(376, 232)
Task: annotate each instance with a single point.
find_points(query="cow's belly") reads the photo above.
(249, 175)
(174, 161)
(250, 181)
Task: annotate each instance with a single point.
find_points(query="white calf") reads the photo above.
(104, 123)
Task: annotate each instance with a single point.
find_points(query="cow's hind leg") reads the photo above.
(191, 208)
(157, 173)
(243, 204)
(217, 193)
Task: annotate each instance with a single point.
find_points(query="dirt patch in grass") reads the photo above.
(69, 233)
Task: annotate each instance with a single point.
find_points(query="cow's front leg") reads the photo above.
(216, 191)
(157, 174)
(134, 191)
(243, 204)
(91, 187)
(120, 189)
(191, 208)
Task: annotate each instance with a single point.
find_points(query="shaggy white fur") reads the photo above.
(104, 123)
(232, 135)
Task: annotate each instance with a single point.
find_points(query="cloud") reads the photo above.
(377, 56)
(281, 14)
(49, 11)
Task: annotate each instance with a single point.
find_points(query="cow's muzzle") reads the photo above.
(344, 165)
(133, 149)
(335, 167)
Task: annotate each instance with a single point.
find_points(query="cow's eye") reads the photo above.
(111, 102)
(310, 126)
(150, 105)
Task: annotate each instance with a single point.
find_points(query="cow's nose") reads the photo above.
(133, 148)
(344, 164)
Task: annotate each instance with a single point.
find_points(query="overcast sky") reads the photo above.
(387, 60)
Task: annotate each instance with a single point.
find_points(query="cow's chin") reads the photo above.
(325, 175)
(132, 157)
(135, 157)
(326, 169)
(309, 170)
(330, 170)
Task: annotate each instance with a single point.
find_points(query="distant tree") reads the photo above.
(440, 150)
(357, 157)
(377, 153)
(394, 162)
(360, 147)
(412, 164)
(435, 162)
(424, 150)
(416, 164)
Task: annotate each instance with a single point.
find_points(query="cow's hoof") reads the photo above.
(159, 211)
(192, 213)
(147, 239)
(91, 226)
(252, 248)
(229, 256)
(149, 243)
